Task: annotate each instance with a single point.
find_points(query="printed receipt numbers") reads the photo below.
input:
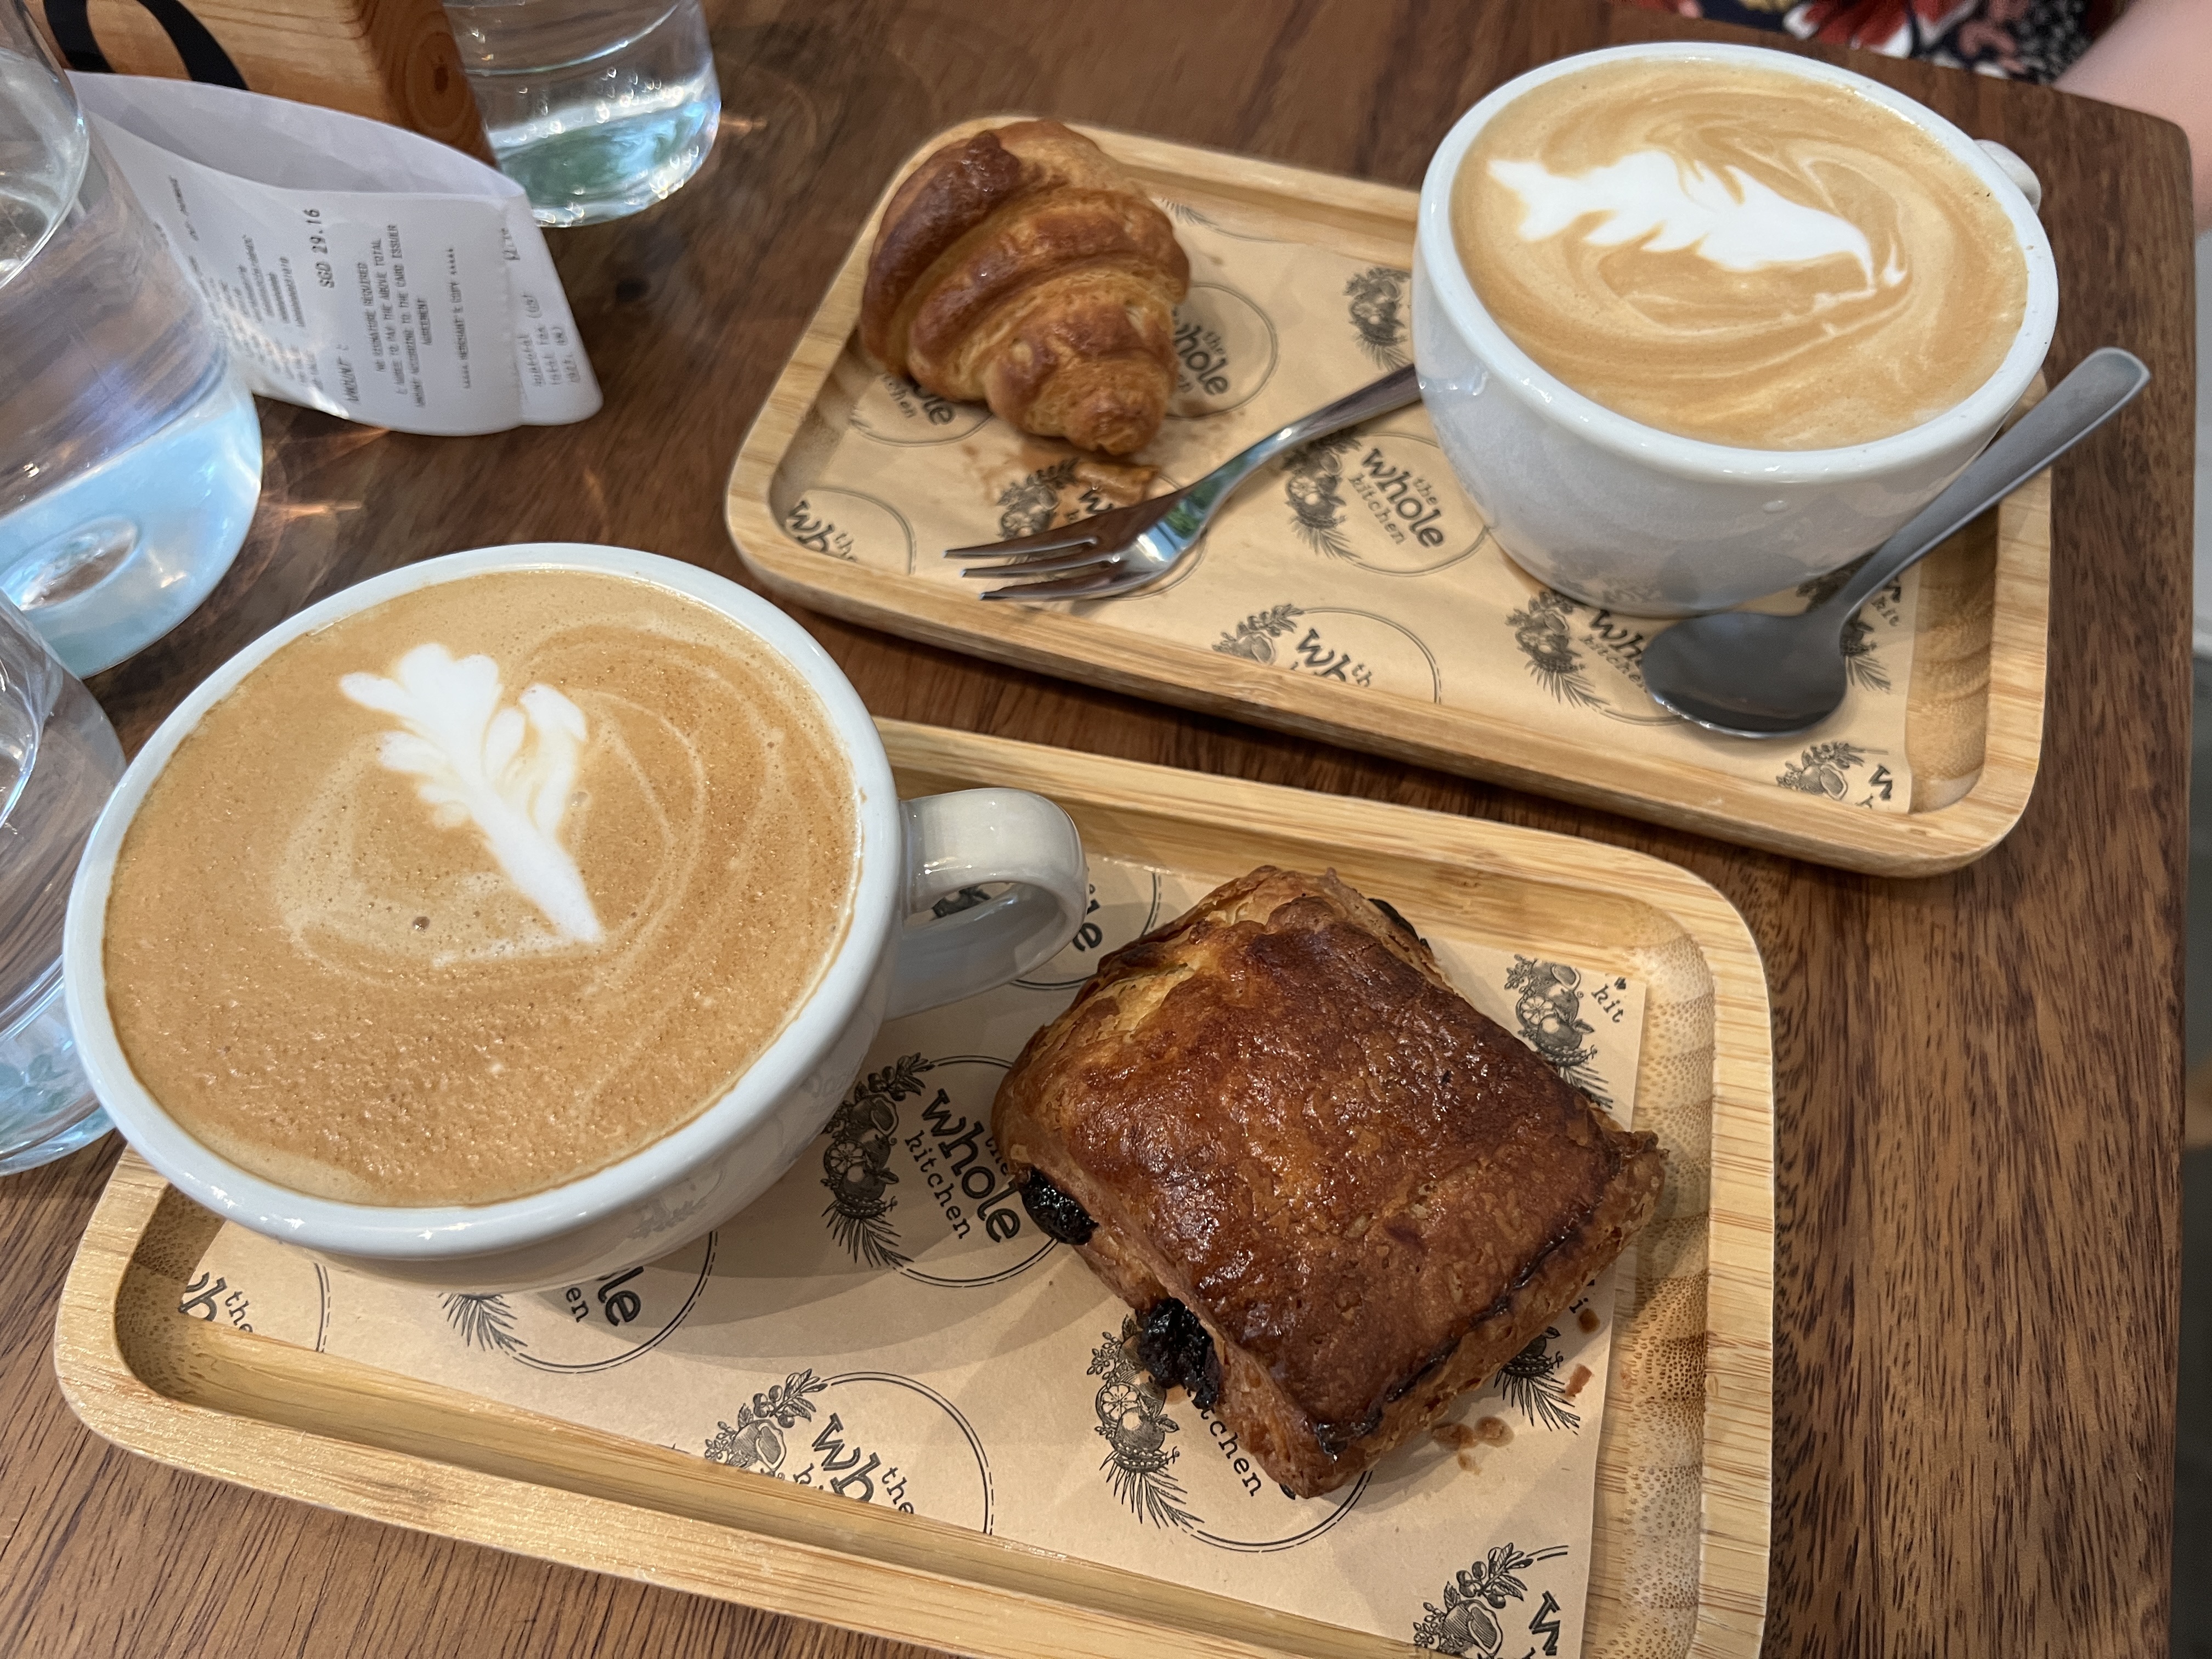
(354, 267)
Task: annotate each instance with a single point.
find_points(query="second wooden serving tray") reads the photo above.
(1678, 1561)
(1973, 726)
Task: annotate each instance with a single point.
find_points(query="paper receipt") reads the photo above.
(354, 267)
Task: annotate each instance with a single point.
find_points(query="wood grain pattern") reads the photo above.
(1979, 715)
(1979, 1075)
(391, 60)
(338, 1433)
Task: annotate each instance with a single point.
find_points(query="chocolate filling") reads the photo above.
(1057, 1214)
(1448, 1347)
(1335, 1438)
(1391, 911)
(1173, 1345)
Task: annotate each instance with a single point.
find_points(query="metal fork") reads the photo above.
(1131, 547)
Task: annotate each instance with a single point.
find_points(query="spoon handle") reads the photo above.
(2100, 386)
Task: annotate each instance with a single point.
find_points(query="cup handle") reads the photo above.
(966, 840)
(2018, 171)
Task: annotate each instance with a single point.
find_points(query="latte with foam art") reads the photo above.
(480, 889)
(1739, 255)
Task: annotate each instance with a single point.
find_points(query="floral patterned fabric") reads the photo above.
(2015, 39)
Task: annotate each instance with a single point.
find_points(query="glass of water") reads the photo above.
(58, 762)
(130, 452)
(596, 109)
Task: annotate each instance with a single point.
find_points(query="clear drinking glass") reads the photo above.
(596, 109)
(58, 762)
(129, 453)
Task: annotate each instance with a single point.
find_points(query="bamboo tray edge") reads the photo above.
(342, 1435)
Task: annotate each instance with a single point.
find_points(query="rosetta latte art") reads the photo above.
(479, 765)
(386, 931)
(1739, 255)
(1725, 215)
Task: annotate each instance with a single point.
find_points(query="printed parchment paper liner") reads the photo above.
(1357, 560)
(843, 1333)
(1666, 1571)
(1975, 721)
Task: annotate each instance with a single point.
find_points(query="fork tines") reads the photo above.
(1086, 556)
(1102, 582)
(1066, 538)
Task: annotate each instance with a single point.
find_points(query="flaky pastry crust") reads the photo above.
(1278, 1112)
(1024, 269)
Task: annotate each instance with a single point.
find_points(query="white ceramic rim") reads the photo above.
(1693, 457)
(444, 1231)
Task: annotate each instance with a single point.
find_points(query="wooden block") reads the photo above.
(391, 60)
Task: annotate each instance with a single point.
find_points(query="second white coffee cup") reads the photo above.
(1643, 521)
(895, 960)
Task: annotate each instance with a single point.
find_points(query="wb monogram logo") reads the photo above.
(1349, 646)
(844, 524)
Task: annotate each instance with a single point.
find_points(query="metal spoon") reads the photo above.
(1751, 675)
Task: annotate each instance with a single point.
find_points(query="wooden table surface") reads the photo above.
(1978, 1076)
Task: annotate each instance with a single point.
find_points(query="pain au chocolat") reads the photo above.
(1335, 1194)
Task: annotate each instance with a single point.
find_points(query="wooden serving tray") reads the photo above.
(1679, 1551)
(1974, 724)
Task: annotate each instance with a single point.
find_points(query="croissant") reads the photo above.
(1023, 268)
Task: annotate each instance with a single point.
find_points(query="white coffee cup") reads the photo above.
(911, 853)
(1627, 517)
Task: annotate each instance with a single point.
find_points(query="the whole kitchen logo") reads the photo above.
(1498, 1606)
(1188, 1472)
(915, 1180)
(1841, 771)
(590, 1326)
(1586, 657)
(1591, 657)
(868, 1437)
(1375, 303)
(1123, 905)
(892, 409)
(1071, 489)
(1382, 501)
(1225, 351)
(1881, 617)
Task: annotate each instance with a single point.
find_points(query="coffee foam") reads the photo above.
(508, 772)
(1728, 218)
(382, 932)
(1740, 255)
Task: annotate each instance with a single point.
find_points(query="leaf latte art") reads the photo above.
(1728, 217)
(385, 931)
(477, 767)
(1740, 255)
